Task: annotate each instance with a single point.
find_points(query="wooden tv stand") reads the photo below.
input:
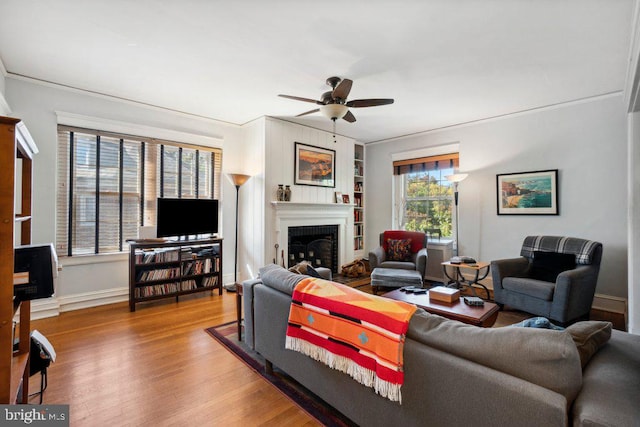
(167, 269)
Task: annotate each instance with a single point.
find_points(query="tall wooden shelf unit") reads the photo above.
(170, 269)
(358, 200)
(16, 154)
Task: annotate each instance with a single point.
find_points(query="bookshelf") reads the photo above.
(358, 200)
(170, 269)
(16, 154)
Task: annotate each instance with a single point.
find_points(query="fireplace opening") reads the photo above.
(317, 244)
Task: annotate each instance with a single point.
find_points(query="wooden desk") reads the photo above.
(481, 271)
(484, 316)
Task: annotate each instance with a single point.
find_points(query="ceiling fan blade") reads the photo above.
(297, 98)
(357, 103)
(349, 117)
(308, 112)
(343, 89)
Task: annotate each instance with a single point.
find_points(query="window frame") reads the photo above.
(66, 175)
(419, 158)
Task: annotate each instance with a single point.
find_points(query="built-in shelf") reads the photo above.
(18, 368)
(16, 153)
(358, 199)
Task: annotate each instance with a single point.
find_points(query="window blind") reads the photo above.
(108, 185)
(426, 164)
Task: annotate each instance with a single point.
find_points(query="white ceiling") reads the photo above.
(445, 62)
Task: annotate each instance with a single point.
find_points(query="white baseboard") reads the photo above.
(610, 304)
(53, 306)
(43, 308)
(93, 299)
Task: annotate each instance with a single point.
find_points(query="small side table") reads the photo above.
(481, 271)
(239, 309)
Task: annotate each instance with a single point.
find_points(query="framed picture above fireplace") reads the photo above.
(314, 166)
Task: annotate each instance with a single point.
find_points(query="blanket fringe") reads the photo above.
(364, 376)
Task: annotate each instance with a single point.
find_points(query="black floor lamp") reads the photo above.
(237, 179)
(455, 179)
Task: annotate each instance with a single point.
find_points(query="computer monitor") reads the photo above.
(39, 265)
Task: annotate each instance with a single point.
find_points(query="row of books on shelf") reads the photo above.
(157, 274)
(357, 187)
(358, 216)
(171, 288)
(358, 230)
(152, 256)
(358, 244)
(157, 255)
(209, 281)
(357, 199)
(163, 289)
(201, 266)
(358, 170)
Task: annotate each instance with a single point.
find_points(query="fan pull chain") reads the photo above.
(334, 130)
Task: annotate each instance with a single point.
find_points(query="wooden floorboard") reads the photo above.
(157, 366)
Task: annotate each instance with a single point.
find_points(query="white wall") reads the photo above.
(252, 207)
(586, 142)
(634, 223)
(84, 279)
(4, 106)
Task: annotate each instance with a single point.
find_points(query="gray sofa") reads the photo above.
(457, 374)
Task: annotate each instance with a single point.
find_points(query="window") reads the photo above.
(424, 197)
(108, 185)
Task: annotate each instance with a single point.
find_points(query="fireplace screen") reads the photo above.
(316, 244)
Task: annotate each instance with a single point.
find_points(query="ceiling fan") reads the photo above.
(334, 105)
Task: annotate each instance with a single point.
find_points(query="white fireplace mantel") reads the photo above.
(295, 214)
(303, 205)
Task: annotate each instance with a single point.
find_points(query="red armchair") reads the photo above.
(384, 256)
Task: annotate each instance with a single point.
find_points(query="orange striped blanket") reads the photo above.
(351, 331)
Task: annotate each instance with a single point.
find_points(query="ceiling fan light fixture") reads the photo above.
(334, 111)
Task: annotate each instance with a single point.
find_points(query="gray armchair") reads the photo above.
(523, 283)
(418, 261)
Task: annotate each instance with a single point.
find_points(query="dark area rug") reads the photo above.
(227, 335)
(354, 282)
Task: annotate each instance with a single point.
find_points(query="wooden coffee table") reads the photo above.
(484, 316)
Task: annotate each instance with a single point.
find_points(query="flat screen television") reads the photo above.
(36, 266)
(186, 217)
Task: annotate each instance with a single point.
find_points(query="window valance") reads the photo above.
(425, 164)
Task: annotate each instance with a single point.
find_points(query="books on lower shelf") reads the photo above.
(153, 290)
(158, 274)
(187, 285)
(209, 281)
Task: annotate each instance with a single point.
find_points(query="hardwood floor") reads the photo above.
(157, 366)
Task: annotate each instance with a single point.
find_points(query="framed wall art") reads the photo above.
(314, 166)
(528, 193)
